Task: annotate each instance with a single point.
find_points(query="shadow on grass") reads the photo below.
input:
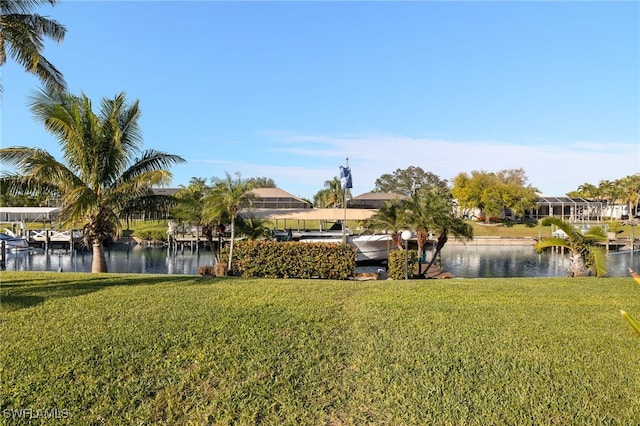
(16, 302)
(25, 293)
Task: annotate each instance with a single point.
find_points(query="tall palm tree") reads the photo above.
(418, 213)
(446, 225)
(100, 175)
(586, 253)
(226, 197)
(429, 211)
(22, 37)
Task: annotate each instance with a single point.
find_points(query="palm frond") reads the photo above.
(551, 242)
(22, 34)
(635, 325)
(151, 160)
(596, 260)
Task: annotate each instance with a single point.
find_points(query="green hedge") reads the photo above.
(151, 234)
(396, 263)
(271, 259)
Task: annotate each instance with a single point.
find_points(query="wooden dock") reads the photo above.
(49, 238)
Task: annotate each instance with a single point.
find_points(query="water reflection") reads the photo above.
(521, 261)
(468, 261)
(136, 259)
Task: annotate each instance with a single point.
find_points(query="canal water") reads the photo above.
(469, 261)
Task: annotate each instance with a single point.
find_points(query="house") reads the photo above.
(276, 198)
(372, 200)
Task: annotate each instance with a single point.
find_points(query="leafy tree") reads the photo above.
(225, 198)
(262, 182)
(492, 193)
(586, 252)
(408, 181)
(8, 200)
(100, 175)
(22, 36)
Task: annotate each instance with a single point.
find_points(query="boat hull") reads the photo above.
(14, 243)
(370, 248)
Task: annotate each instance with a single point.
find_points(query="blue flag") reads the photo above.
(345, 177)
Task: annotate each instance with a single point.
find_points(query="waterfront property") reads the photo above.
(168, 350)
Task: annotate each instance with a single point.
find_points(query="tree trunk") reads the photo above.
(422, 238)
(576, 266)
(233, 237)
(99, 262)
(396, 240)
(442, 240)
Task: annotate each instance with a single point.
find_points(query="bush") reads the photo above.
(271, 259)
(152, 235)
(207, 270)
(397, 263)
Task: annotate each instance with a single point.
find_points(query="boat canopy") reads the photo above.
(23, 214)
(309, 214)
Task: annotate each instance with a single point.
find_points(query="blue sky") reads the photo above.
(289, 90)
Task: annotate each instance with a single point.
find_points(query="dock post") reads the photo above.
(3, 255)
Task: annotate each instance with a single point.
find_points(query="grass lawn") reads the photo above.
(158, 349)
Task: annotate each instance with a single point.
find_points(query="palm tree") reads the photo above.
(587, 255)
(430, 211)
(253, 227)
(334, 194)
(22, 37)
(389, 218)
(189, 208)
(629, 190)
(418, 213)
(226, 197)
(444, 226)
(99, 176)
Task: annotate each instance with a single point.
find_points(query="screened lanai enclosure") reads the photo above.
(571, 209)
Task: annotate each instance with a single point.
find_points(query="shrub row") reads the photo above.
(397, 263)
(271, 259)
(152, 234)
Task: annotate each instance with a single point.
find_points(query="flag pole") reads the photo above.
(344, 222)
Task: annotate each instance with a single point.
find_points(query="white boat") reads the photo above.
(370, 247)
(14, 243)
(374, 247)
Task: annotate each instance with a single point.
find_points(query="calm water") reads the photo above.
(464, 261)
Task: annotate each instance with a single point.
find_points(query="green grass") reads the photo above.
(149, 349)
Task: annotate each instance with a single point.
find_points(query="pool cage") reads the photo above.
(571, 209)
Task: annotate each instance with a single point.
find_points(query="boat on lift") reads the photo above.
(12, 242)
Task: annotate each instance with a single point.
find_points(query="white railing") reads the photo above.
(45, 235)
